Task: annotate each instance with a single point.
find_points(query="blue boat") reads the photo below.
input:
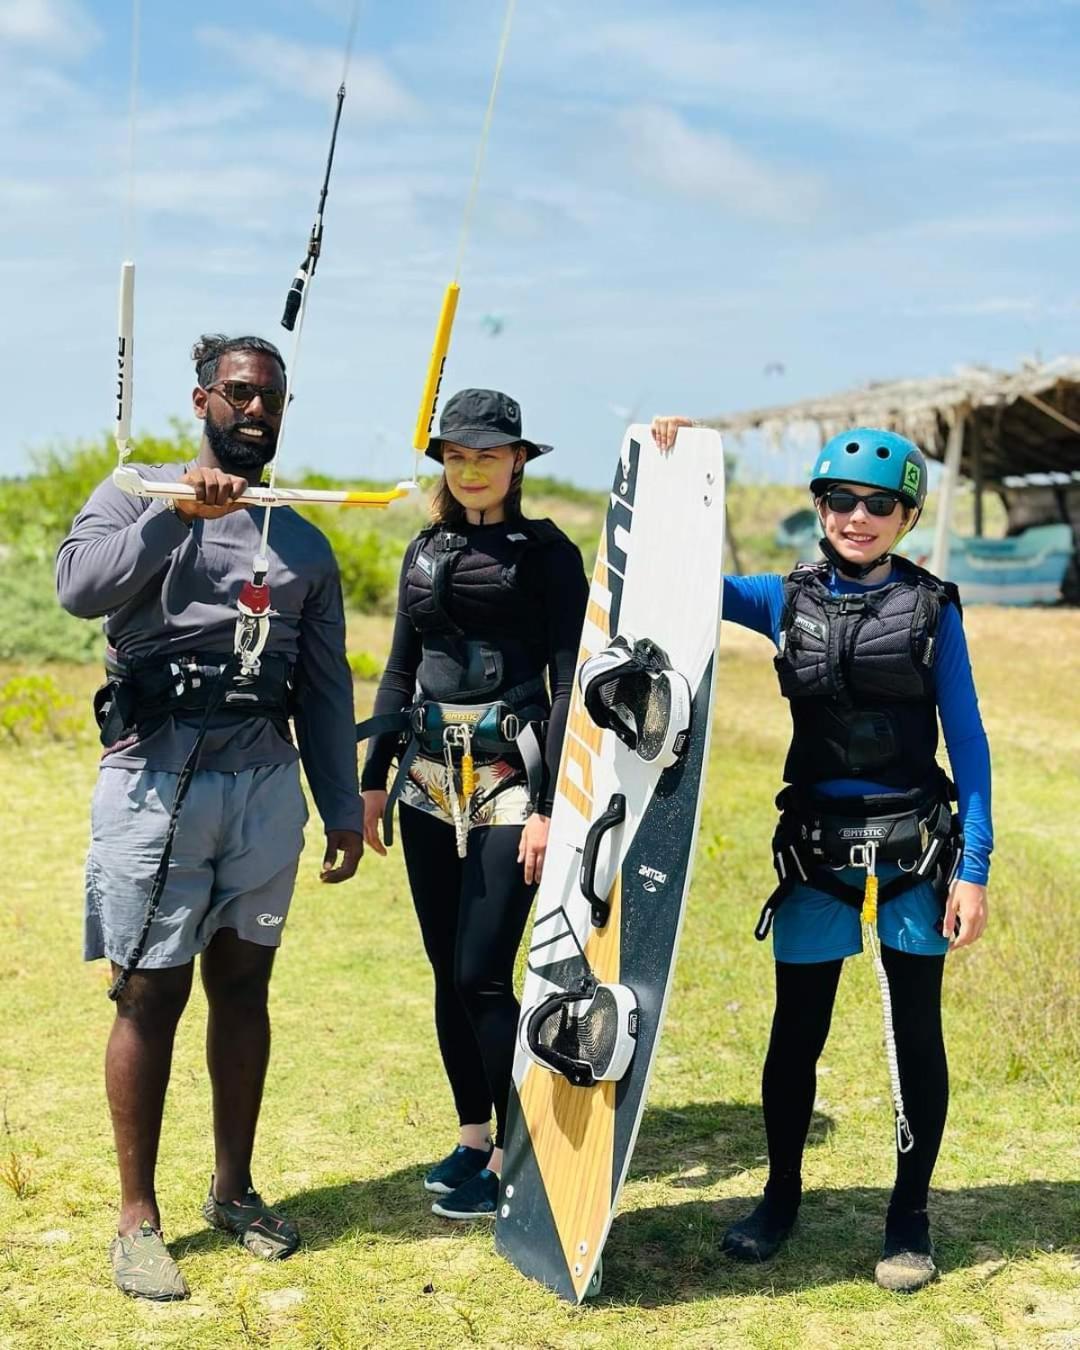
(1026, 569)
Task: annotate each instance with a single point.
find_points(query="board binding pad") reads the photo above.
(658, 576)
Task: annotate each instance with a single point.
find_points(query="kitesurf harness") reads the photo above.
(858, 673)
(475, 697)
(631, 689)
(138, 696)
(817, 836)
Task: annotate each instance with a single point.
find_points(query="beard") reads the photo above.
(239, 454)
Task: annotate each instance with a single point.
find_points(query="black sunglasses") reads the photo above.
(239, 393)
(843, 502)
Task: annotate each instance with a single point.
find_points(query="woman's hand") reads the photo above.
(533, 847)
(967, 902)
(665, 429)
(374, 806)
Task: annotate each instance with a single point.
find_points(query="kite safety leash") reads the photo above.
(429, 397)
(865, 855)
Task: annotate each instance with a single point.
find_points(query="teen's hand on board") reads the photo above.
(374, 806)
(348, 845)
(215, 493)
(968, 903)
(533, 847)
(665, 429)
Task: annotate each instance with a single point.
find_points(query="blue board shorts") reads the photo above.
(812, 926)
(234, 860)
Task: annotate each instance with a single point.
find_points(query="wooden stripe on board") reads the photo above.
(573, 1129)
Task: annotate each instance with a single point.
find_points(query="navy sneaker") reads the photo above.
(474, 1199)
(455, 1169)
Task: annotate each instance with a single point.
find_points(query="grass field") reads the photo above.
(356, 1104)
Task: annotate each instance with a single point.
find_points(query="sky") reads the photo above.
(685, 206)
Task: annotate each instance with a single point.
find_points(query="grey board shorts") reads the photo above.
(234, 860)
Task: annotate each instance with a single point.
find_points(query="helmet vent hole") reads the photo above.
(852, 447)
(883, 452)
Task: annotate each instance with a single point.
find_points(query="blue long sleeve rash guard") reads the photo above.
(757, 602)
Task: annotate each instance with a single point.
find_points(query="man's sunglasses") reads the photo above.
(843, 502)
(239, 393)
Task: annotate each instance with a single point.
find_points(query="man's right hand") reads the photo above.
(374, 806)
(215, 493)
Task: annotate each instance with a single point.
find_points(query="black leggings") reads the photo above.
(804, 1004)
(472, 914)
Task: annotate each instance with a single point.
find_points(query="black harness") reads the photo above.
(817, 836)
(139, 695)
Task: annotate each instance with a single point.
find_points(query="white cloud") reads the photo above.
(312, 72)
(61, 28)
(670, 154)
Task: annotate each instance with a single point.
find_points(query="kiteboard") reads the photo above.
(620, 852)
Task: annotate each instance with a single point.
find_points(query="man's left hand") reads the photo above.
(349, 846)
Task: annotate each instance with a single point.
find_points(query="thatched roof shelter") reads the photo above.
(1023, 422)
(989, 425)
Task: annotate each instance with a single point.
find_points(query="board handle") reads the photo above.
(614, 815)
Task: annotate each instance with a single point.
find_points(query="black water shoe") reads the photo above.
(143, 1268)
(760, 1235)
(477, 1198)
(265, 1232)
(907, 1254)
(455, 1169)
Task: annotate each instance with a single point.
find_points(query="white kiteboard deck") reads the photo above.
(658, 575)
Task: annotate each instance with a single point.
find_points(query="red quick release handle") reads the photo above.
(254, 600)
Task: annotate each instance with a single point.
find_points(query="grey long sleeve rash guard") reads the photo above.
(166, 588)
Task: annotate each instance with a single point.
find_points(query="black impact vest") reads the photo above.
(480, 623)
(858, 673)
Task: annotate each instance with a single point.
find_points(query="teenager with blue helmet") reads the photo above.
(871, 654)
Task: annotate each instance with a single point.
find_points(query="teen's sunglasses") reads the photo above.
(239, 393)
(843, 502)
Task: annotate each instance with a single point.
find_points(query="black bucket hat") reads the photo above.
(482, 419)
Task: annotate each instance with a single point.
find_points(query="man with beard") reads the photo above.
(166, 575)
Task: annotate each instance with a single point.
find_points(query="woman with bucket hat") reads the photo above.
(473, 704)
(870, 653)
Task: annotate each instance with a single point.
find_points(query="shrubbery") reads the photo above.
(33, 707)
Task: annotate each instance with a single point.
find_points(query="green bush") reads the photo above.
(369, 567)
(33, 627)
(36, 511)
(364, 666)
(32, 707)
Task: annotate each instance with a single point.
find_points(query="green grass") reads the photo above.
(356, 1103)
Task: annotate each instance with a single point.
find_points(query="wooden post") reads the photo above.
(977, 476)
(939, 559)
(729, 539)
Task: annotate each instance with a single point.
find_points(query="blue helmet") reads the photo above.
(872, 458)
